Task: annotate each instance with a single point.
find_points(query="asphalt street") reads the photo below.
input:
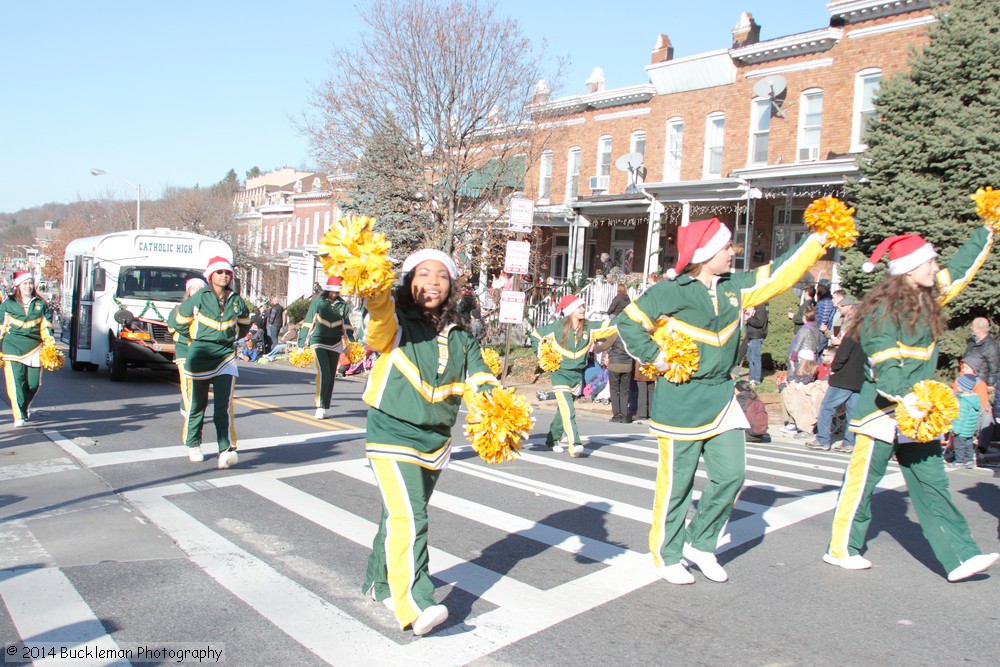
(109, 536)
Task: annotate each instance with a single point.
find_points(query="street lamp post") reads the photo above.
(138, 192)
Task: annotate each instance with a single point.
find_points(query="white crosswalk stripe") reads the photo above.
(787, 484)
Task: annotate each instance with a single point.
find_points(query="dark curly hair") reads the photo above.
(449, 310)
(901, 303)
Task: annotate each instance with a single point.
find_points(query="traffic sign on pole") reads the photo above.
(522, 214)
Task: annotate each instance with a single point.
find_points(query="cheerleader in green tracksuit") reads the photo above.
(898, 323)
(427, 361)
(701, 417)
(25, 329)
(212, 320)
(192, 287)
(323, 329)
(571, 337)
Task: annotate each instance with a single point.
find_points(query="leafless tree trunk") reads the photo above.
(458, 79)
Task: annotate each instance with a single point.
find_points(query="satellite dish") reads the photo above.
(632, 163)
(629, 162)
(773, 88)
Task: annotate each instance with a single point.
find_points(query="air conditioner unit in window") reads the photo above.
(809, 154)
(599, 183)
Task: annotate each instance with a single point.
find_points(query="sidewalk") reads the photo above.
(56, 513)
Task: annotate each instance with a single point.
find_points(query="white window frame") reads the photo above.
(604, 156)
(573, 173)
(674, 150)
(861, 79)
(559, 262)
(760, 110)
(713, 120)
(545, 178)
(637, 144)
(806, 128)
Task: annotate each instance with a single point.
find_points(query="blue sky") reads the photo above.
(177, 93)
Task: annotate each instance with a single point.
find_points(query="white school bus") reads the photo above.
(119, 289)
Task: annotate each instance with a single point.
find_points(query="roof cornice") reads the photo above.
(866, 10)
(814, 41)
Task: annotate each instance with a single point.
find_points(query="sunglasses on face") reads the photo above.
(223, 271)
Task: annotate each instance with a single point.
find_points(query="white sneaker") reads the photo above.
(387, 602)
(429, 619)
(320, 413)
(675, 574)
(195, 455)
(558, 449)
(576, 452)
(855, 562)
(789, 428)
(18, 423)
(973, 566)
(706, 562)
(228, 458)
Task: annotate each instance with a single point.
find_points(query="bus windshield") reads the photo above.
(155, 283)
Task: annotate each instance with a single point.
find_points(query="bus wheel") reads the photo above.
(116, 365)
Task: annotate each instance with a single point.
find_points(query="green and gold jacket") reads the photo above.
(212, 330)
(325, 324)
(898, 358)
(706, 405)
(416, 386)
(573, 350)
(24, 329)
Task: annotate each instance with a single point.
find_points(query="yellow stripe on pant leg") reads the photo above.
(661, 499)
(319, 380)
(567, 422)
(855, 480)
(8, 372)
(400, 535)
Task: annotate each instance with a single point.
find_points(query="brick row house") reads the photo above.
(749, 134)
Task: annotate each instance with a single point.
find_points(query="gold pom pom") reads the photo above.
(492, 359)
(831, 216)
(940, 408)
(548, 359)
(351, 250)
(302, 357)
(355, 352)
(52, 358)
(679, 350)
(497, 422)
(988, 207)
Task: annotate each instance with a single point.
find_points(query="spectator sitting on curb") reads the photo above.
(802, 397)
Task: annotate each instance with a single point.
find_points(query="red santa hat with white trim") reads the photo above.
(334, 284)
(906, 252)
(21, 276)
(218, 264)
(699, 241)
(568, 305)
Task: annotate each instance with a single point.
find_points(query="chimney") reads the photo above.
(595, 82)
(542, 93)
(662, 51)
(746, 31)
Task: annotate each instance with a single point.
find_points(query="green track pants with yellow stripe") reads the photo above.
(927, 482)
(399, 564)
(22, 385)
(326, 374)
(565, 419)
(225, 423)
(725, 463)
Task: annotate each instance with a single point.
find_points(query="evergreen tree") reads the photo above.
(935, 140)
(389, 185)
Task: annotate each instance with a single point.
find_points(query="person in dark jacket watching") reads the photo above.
(619, 364)
(825, 308)
(847, 374)
(756, 326)
(981, 344)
